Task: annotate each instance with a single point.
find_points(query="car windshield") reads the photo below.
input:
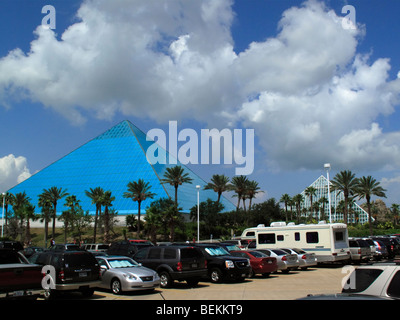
(122, 263)
(258, 254)
(279, 252)
(216, 251)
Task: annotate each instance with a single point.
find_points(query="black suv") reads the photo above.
(222, 265)
(126, 248)
(74, 271)
(182, 263)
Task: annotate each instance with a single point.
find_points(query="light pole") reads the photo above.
(2, 216)
(198, 213)
(327, 167)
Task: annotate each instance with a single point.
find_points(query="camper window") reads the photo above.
(297, 236)
(266, 238)
(280, 237)
(312, 237)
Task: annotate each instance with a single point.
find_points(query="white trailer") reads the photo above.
(329, 241)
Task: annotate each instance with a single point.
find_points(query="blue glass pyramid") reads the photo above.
(111, 161)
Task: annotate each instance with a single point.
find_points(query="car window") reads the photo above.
(79, 259)
(363, 279)
(216, 251)
(154, 253)
(188, 253)
(141, 254)
(239, 254)
(258, 254)
(169, 253)
(394, 286)
(122, 263)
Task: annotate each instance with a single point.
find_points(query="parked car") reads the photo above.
(181, 263)
(18, 277)
(120, 273)
(260, 262)
(381, 250)
(15, 245)
(74, 271)
(241, 243)
(360, 250)
(306, 259)
(65, 247)
(27, 252)
(222, 265)
(379, 280)
(374, 254)
(286, 261)
(126, 248)
(229, 246)
(142, 241)
(95, 247)
(390, 244)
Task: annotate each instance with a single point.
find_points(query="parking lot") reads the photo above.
(279, 286)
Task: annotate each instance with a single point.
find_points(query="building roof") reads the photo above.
(110, 161)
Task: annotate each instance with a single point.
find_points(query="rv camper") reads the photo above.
(329, 241)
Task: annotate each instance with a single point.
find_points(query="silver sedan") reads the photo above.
(306, 259)
(125, 274)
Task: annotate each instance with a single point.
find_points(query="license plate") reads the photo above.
(82, 274)
(194, 265)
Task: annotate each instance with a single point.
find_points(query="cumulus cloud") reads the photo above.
(307, 92)
(13, 170)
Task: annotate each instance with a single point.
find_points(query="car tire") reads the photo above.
(266, 275)
(166, 281)
(116, 286)
(216, 275)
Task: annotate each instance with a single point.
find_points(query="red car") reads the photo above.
(260, 262)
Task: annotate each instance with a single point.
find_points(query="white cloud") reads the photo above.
(13, 170)
(307, 92)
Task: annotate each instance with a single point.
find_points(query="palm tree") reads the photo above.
(219, 183)
(395, 209)
(20, 201)
(53, 195)
(286, 200)
(323, 201)
(239, 186)
(310, 192)
(298, 199)
(8, 197)
(346, 182)
(96, 195)
(175, 176)
(107, 202)
(139, 191)
(252, 190)
(69, 215)
(45, 216)
(366, 187)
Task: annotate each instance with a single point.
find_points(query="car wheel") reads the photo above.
(116, 286)
(266, 275)
(252, 274)
(166, 281)
(216, 275)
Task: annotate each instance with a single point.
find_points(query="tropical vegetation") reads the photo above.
(164, 221)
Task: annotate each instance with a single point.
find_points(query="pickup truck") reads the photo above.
(18, 277)
(376, 281)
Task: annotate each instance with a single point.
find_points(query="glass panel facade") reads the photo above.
(356, 213)
(110, 161)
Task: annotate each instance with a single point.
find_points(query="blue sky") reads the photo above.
(313, 91)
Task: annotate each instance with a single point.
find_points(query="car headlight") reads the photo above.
(229, 264)
(130, 276)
